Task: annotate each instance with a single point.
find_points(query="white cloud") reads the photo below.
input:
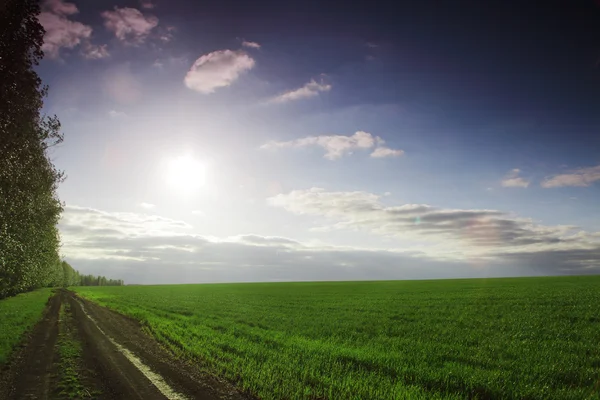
(199, 213)
(147, 4)
(94, 52)
(165, 34)
(59, 7)
(61, 32)
(151, 249)
(258, 240)
(129, 25)
(580, 177)
(77, 219)
(512, 179)
(252, 45)
(439, 232)
(382, 152)
(217, 69)
(116, 114)
(311, 89)
(160, 63)
(337, 146)
(147, 206)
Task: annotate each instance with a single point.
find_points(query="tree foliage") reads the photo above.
(65, 276)
(91, 280)
(29, 204)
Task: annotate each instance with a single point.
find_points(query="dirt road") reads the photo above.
(82, 350)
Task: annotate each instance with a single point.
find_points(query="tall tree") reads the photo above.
(29, 205)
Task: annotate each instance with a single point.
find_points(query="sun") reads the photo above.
(186, 174)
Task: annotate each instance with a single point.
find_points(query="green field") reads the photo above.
(17, 315)
(527, 338)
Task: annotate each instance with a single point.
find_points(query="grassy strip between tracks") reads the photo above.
(526, 338)
(69, 351)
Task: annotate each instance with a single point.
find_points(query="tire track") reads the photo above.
(117, 360)
(153, 377)
(135, 365)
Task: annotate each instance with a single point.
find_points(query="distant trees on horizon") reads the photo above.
(72, 277)
(65, 275)
(91, 280)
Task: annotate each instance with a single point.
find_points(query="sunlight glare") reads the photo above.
(186, 174)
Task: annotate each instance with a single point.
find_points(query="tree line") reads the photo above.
(68, 276)
(29, 203)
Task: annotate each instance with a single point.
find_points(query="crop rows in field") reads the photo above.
(534, 338)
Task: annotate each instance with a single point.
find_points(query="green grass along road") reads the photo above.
(18, 314)
(534, 338)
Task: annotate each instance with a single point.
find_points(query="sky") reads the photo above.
(225, 141)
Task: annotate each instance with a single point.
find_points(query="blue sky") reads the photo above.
(219, 142)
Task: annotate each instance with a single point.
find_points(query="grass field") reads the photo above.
(527, 338)
(17, 315)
